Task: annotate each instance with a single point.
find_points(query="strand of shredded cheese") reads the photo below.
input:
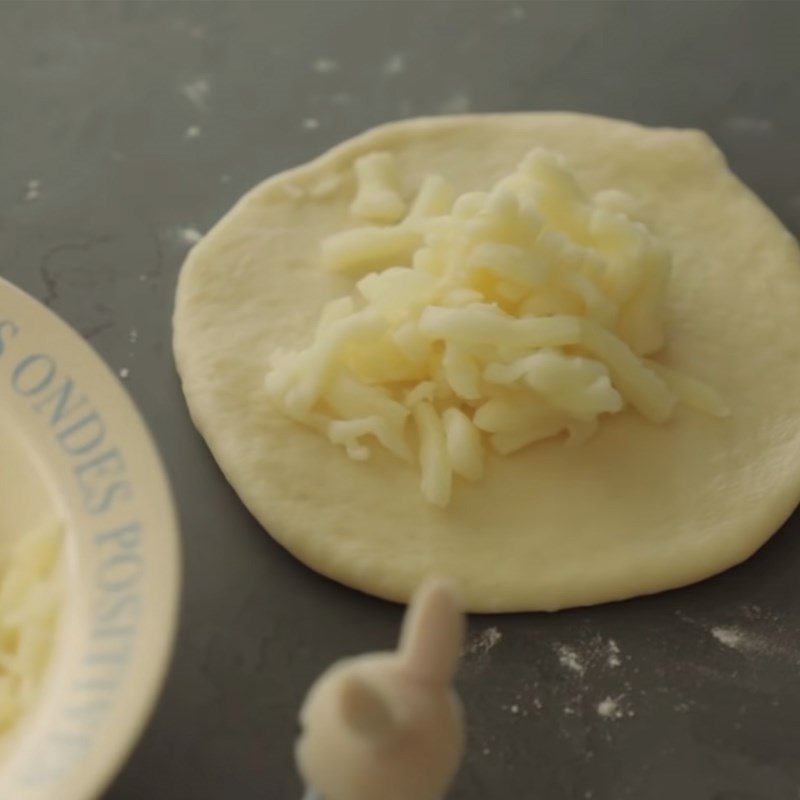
(490, 319)
(378, 197)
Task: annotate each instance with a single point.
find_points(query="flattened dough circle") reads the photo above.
(640, 508)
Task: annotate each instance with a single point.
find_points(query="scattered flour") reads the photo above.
(613, 659)
(394, 65)
(591, 657)
(612, 708)
(192, 132)
(760, 635)
(196, 92)
(310, 124)
(188, 236)
(124, 373)
(754, 612)
(133, 336)
(483, 642)
(324, 66)
(754, 644)
(568, 657)
(730, 637)
(33, 190)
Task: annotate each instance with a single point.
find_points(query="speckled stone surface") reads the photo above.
(128, 128)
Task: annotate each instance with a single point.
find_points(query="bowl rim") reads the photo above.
(90, 774)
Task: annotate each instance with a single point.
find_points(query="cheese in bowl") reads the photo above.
(33, 593)
(31, 596)
(550, 356)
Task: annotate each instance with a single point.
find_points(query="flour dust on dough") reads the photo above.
(639, 508)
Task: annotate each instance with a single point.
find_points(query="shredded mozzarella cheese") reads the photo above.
(29, 603)
(378, 197)
(490, 319)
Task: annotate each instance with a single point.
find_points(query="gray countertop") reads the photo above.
(128, 127)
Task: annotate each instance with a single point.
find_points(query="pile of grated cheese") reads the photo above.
(484, 322)
(30, 592)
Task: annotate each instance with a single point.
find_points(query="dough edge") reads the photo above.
(572, 587)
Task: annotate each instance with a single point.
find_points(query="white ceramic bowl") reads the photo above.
(73, 445)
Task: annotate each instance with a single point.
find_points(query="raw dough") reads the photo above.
(638, 509)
